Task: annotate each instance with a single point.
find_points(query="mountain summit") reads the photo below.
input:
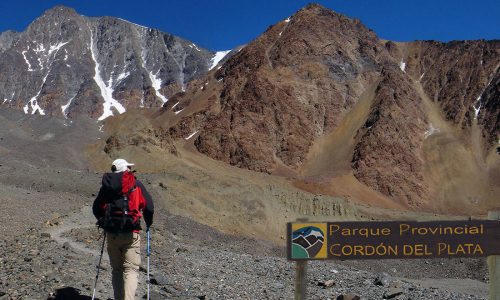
(66, 64)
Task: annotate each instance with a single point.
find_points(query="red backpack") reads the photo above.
(123, 214)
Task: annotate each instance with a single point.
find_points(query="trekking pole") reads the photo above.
(99, 265)
(148, 253)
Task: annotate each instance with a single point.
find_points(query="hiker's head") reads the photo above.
(120, 165)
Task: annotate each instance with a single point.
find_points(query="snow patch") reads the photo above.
(219, 55)
(65, 107)
(178, 112)
(34, 106)
(477, 105)
(39, 48)
(56, 47)
(402, 66)
(195, 47)
(191, 135)
(106, 91)
(287, 20)
(421, 76)
(33, 101)
(101, 127)
(175, 105)
(122, 76)
(27, 62)
(134, 24)
(40, 63)
(476, 111)
(156, 84)
(432, 130)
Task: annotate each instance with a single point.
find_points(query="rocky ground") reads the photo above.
(50, 245)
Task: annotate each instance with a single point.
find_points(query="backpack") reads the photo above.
(122, 212)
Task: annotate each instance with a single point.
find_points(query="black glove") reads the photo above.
(148, 219)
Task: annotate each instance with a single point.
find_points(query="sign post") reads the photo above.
(300, 280)
(494, 265)
(301, 275)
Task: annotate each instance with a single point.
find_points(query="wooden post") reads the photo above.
(301, 280)
(301, 274)
(494, 265)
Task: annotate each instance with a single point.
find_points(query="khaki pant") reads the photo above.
(125, 257)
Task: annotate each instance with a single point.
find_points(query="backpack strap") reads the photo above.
(128, 182)
(131, 190)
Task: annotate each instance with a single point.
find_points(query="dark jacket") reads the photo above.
(111, 188)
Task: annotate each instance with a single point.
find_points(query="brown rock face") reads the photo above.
(319, 98)
(388, 155)
(288, 87)
(454, 74)
(489, 113)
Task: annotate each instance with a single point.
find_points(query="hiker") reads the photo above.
(118, 208)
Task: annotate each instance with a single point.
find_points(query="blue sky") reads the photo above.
(225, 24)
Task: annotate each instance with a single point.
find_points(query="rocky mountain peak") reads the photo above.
(318, 11)
(55, 17)
(74, 65)
(59, 10)
(316, 8)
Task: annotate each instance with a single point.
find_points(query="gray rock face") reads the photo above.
(7, 38)
(66, 64)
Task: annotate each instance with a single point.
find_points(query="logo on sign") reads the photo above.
(308, 240)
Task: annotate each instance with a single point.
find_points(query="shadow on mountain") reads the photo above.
(69, 293)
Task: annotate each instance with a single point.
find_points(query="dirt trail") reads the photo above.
(77, 220)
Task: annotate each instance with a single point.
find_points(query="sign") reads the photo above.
(382, 240)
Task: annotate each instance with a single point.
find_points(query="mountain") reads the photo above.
(66, 64)
(320, 99)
